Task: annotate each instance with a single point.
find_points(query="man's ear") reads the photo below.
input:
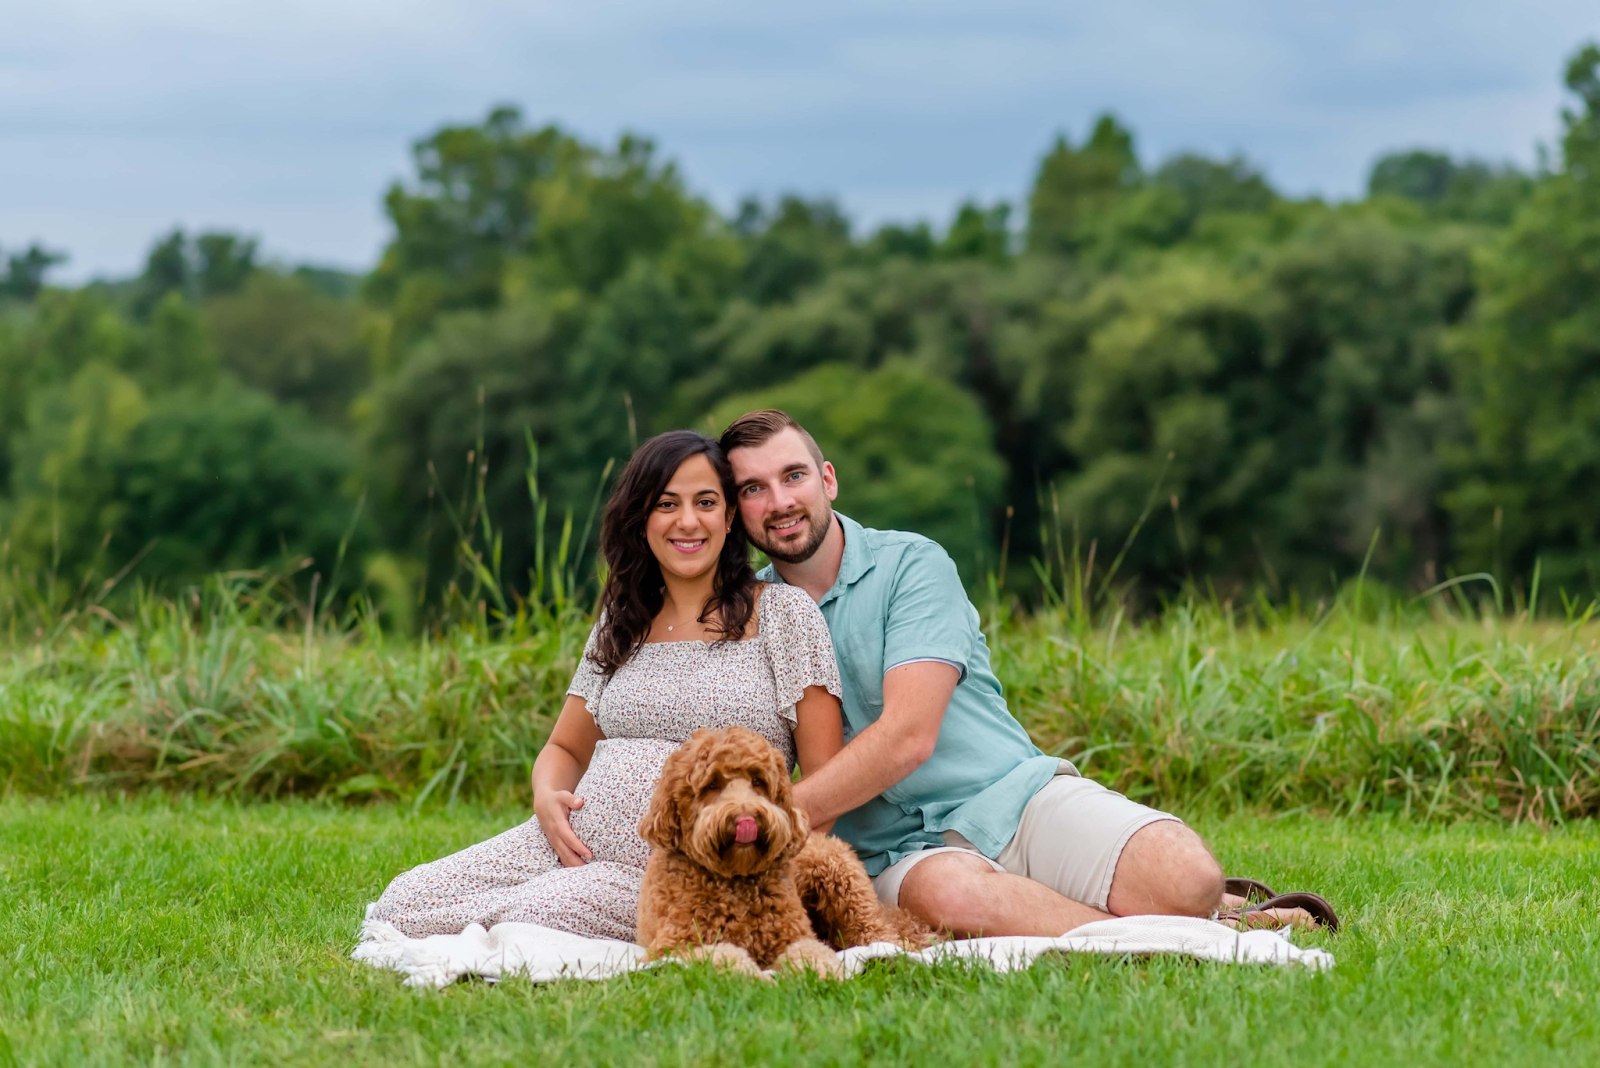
(830, 481)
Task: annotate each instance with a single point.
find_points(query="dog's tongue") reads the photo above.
(744, 830)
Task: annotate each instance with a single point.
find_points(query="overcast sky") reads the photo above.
(122, 118)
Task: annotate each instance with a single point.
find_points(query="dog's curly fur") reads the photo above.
(761, 903)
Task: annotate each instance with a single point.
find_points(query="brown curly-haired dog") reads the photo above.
(736, 876)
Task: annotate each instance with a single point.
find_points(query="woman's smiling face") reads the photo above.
(689, 520)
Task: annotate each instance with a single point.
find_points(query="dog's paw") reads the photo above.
(809, 955)
(725, 956)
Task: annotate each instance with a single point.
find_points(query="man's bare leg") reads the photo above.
(960, 893)
(1166, 869)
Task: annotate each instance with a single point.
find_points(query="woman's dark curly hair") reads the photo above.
(633, 592)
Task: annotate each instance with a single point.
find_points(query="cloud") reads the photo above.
(288, 119)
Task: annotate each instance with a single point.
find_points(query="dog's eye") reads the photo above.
(758, 781)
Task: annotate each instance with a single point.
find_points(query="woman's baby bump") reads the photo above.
(616, 791)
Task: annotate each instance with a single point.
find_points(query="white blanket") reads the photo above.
(542, 954)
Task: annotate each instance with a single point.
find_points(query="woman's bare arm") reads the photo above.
(818, 733)
(556, 771)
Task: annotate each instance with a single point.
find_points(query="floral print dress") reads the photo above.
(646, 709)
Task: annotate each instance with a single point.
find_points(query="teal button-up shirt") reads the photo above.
(898, 598)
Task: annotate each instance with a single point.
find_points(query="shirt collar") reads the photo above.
(858, 557)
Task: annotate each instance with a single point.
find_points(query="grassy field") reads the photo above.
(1432, 770)
(1351, 709)
(178, 930)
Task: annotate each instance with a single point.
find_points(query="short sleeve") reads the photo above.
(798, 646)
(588, 681)
(929, 615)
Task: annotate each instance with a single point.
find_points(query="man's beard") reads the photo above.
(816, 532)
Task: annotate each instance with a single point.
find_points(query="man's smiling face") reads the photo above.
(784, 495)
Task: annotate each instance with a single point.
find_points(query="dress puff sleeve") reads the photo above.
(588, 682)
(798, 645)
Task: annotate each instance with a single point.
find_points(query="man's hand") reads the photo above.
(555, 819)
(914, 699)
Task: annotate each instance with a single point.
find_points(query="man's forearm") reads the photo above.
(875, 760)
(899, 742)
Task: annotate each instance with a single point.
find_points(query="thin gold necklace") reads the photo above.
(697, 617)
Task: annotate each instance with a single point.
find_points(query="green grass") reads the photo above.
(159, 930)
(1434, 715)
(1432, 772)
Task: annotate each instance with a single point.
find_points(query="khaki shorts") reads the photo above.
(1071, 834)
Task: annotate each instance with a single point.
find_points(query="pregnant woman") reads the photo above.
(686, 638)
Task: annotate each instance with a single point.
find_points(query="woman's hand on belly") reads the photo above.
(617, 788)
(555, 820)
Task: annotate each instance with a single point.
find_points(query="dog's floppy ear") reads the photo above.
(662, 827)
(802, 830)
(783, 794)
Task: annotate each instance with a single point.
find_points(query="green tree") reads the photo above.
(173, 350)
(44, 346)
(63, 506)
(990, 329)
(1530, 370)
(73, 328)
(25, 272)
(1152, 212)
(1364, 310)
(208, 265)
(978, 233)
(1260, 426)
(1187, 189)
(447, 435)
(790, 246)
(281, 336)
(1417, 175)
(1076, 187)
(225, 478)
(223, 263)
(913, 241)
(470, 210)
(1209, 185)
(193, 481)
(582, 379)
(14, 377)
(498, 212)
(1468, 191)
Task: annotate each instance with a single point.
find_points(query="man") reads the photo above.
(957, 815)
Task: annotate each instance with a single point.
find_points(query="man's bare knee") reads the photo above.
(1166, 869)
(946, 890)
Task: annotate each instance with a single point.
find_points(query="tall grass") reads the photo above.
(236, 691)
(272, 685)
(224, 693)
(1435, 716)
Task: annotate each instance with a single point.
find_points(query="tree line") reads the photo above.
(1169, 369)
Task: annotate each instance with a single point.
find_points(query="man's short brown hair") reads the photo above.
(758, 428)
